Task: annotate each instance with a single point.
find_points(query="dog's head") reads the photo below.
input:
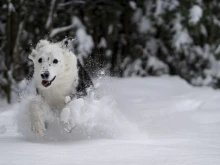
(49, 63)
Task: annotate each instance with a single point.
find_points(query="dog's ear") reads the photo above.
(41, 44)
(33, 55)
(66, 43)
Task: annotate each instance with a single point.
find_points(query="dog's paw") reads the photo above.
(78, 104)
(38, 128)
(65, 118)
(65, 115)
(69, 126)
(67, 99)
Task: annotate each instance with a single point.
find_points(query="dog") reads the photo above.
(60, 82)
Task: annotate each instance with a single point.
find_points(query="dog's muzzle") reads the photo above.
(45, 75)
(47, 83)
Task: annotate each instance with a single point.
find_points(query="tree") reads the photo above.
(125, 38)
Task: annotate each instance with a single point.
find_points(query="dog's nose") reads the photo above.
(45, 75)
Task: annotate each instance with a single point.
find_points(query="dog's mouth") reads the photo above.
(46, 83)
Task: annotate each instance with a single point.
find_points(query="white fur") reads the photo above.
(65, 83)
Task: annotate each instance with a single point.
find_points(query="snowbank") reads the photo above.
(181, 122)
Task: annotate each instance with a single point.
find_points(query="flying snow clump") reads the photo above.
(195, 14)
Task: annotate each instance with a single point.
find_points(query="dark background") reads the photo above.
(123, 38)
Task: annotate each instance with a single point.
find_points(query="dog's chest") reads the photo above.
(55, 97)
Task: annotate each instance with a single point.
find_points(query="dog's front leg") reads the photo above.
(37, 119)
(65, 118)
(70, 113)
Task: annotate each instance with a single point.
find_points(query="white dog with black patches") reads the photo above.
(60, 81)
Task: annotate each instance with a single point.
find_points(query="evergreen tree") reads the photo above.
(125, 38)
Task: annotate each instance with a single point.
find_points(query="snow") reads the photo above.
(133, 5)
(163, 6)
(203, 30)
(134, 68)
(75, 22)
(206, 53)
(216, 21)
(137, 16)
(195, 14)
(56, 31)
(84, 40)
(49, 19)
(86, 43)
(110, 29)
(157, 65)
(102, 43)
(149, 120)
(159, 7)
(11, 7)
(145, 25)
(181, 36)
(108, 53)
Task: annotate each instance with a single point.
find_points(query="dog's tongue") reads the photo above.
(44, 82)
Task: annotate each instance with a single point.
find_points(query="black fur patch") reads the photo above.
(85, 81)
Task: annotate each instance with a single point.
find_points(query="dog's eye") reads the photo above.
(55, 61)
(40, 60)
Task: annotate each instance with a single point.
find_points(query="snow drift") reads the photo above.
(98, 118)
(182, 125)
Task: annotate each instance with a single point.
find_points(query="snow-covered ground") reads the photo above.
(136, 121)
